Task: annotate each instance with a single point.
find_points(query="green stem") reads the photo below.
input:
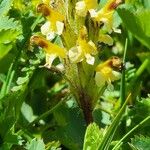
(122, 88)
(44, 115)
(141, 68)
(133, 129)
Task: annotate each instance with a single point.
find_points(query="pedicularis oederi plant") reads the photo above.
(74, 74)
(82, 26)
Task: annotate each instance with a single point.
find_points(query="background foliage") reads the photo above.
(37, 110)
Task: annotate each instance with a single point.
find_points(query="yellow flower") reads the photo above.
(55, 21)
(107, 71)
(105, 38)
(105, 15)
(83, 49)
(82, 7)
(52, 50)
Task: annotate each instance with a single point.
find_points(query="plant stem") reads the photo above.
(122, 88)
(133, 129)
(141, 68)
(84, 98)
(46, 113)
(86, 106)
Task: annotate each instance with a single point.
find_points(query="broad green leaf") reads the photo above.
(141, 142)
(137, 22)
(7, 38)
(93, 137)
(27, 112)
(71, 126)
(5, 7)
(146, 3)
(8, 23)
(36, 144)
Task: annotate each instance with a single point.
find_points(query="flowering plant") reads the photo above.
(79, 56)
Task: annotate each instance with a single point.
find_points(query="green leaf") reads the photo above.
(7, 38)
(22, 80)
(137, 22)
(53, 145)
(27, 112)
(5, 7)
(143, 56)
(36, 144)
(71, 126)
(93, 137)
(8, 23)
(141, 142)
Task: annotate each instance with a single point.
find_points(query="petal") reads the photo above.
(45, 28)
(93, 48)
(100, 79)
(105, 38)
(93, 13)
(50, 35)
(60, 67)
(60, 27)
(75, 54)
(115, 75)
(91, 4)
(117, 30)
(49, 59)
(110, 87)
(81, 8)
(89, 59)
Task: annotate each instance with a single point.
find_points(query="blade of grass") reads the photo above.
(122, 87)
(104, 145)
(133, 129)
(6, 85)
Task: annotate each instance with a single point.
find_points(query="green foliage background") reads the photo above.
(38, 112)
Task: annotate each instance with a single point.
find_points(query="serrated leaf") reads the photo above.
(36, 144)
(137, 22)
(22, 80)
(8, 23)
(93, 137)
(5, 7)
(141, 142)
(6, 41)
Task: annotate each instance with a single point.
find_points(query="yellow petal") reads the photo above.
(55, 49)
(48, 47)
(105, 38)
(91, 4)
(51, 15)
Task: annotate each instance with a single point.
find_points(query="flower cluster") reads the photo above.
(85, 47)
